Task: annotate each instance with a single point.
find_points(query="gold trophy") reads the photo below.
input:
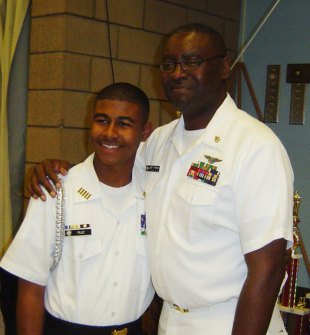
(294, 314)
(297, 201)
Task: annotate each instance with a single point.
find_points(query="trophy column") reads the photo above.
(295, 316)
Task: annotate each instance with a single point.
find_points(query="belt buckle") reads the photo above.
(120, 332)
(180, 309)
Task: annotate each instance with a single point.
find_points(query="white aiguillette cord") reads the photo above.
(60, 226)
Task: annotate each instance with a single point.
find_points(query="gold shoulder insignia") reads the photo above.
(86, 195)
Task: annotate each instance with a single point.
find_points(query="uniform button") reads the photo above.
(113, 314)
(81, 256)
(116, 253)
(115, 283)
(118, 222)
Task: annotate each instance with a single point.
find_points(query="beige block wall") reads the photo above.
(70, 46)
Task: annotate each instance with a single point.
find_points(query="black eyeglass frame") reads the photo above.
(185, 67)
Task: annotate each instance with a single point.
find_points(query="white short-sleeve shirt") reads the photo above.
(201, 223)
(103, 277)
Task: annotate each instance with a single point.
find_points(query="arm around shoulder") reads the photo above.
(44, 174)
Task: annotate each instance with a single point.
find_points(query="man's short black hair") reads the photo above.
(200, 28)
(126, 92)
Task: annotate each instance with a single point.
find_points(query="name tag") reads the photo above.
(152, 168)
(77, 230)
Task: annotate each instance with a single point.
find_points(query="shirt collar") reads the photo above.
(86, 186)
(214, 132)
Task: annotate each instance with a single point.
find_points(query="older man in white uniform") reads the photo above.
(199, 230)
(219, 190)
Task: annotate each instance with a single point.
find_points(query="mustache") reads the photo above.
(181, 83)
(105, 139)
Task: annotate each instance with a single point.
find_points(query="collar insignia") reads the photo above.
(143, 224)
(217, 139)
(212, 160)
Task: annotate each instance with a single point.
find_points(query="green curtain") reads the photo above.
(12, 15)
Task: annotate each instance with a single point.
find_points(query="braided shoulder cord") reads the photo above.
(60, 227)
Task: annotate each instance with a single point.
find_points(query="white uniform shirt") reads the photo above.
(198, 233)
(103, 278)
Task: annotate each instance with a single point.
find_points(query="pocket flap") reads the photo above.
(197, 193)
(81, 250)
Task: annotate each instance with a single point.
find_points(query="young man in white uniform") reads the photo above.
(219, 198)
(102, 282)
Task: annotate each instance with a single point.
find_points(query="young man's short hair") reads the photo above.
(126, 92)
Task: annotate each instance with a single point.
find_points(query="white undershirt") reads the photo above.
(116, 198)
(190, 137)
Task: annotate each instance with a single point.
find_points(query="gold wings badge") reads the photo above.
(212, 160)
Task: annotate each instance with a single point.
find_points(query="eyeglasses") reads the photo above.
(186, 64)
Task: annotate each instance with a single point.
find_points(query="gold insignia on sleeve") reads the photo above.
(212, 160)
(86, 195)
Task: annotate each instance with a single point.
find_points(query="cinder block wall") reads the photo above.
(70, 46)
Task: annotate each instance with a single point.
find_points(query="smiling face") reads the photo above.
(196, 93)
(116, 132)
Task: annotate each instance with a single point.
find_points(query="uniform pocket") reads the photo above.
(81, 262)
(195, 209)
(197, 194)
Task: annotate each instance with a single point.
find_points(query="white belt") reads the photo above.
(224, 305)
(183, 320)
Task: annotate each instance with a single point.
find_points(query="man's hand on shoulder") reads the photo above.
(44, 175)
